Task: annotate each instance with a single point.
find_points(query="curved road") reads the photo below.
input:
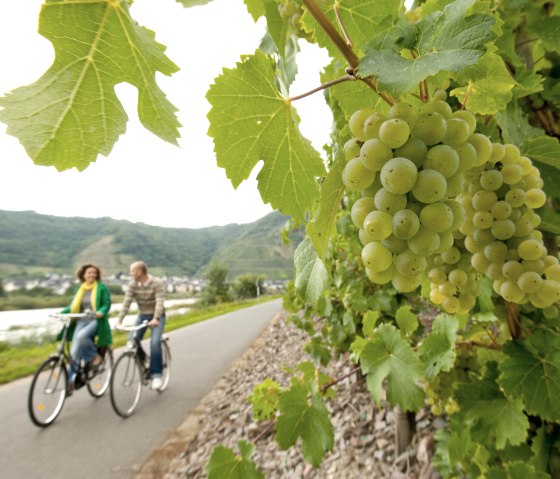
(88, 440)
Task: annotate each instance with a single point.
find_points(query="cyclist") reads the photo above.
(149, 293)
(92, 297)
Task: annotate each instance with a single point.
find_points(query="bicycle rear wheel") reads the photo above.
(166, 357)
(99, 383)
(47, 392)
(126, 384)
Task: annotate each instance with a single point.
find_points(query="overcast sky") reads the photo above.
(183, 183)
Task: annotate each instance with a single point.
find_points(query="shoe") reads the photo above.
(157, 383)
(96, 361)
(69, 390)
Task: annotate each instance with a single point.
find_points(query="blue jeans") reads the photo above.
(82, 345)
(156, 359)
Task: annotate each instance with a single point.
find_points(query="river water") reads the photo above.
(31, 324)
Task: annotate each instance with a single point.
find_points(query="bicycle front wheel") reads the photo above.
(126, 384)
(99, 383)
(166, 357)
(47, 392)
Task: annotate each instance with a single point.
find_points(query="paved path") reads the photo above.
(88, 440)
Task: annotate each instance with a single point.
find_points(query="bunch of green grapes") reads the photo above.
(453, 280)
(439, 396)
(499, 200)
(409, 165)
(290, 11)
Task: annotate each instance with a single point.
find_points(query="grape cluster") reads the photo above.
(499, 228)
(409, 166)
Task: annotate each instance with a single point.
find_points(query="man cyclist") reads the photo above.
(149, 293)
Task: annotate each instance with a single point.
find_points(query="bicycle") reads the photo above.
(48, 390)
(130, 373)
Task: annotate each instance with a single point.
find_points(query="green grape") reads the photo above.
(552, 272)
(437, 216)
(409, 264)
(498, 152)
(455, 184)
(451, 256)
(380, 277)
(467, 116)
(356, 123)
(511, 153)
(531, 181)
(483, 147)
(430, 186)
(515, 197)
(446, 241)
(501, 210)
(535, 198)
(442, 158)
(491, 180)
(376, 257)
(494, 271)
(467, 156)
(352, 148)
(424, 242)
(511, 292)
(430, 127)
(536, 265)
(437, 275)
(394, 132)
(363, 237)
(512, 173)
(415, 150)
(550, 260)
(436, 297)
(503, 229)
(458, 212)
(451, 304)
(466, 303)
(404, 111)
(360, 209)
(529, 282)
(512, 270)
(439, 95)
(356, 176)
(399, 175)
(394, 244)
(496, 251)
(551, 312)
(483, 219)
(438, 106)
(531, 250)
(447, 289)
(405, 224)
(374, 154)
(480, 262)
(458, 131)
(483, 200)
(389, 202)
(405, 284)
(471, 245)
(483, 237)
(377, 225)
(458, 277)
(371, 126)
(523, 227)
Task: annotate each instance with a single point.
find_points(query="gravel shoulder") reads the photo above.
(364, 434)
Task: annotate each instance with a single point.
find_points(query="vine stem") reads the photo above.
(512, 318)
(322, 87)
(467, 93)
(471, 344)
(265, 431)
(341, 24)
(339, 379)
(340, 43)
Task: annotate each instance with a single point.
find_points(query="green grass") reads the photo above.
(22, 360)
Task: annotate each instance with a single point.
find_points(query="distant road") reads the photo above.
(88, 440)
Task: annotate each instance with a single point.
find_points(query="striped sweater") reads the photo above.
(149, 297)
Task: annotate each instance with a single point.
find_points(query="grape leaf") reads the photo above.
(256, 8)
(406, 320)
(224, 463)
(323, 224)
(545, 149)
(547, 29)
(251, 121)
(437, 350)
(311, 277)
(490, 85)
(450, 40)
(527, 82)
(494, 416)
(359, 17)
(531, 371)
(550, 220)
(308, 419)
(515, 125)
(264, 399)
(72, 114)
(515, 470)
(388, 356)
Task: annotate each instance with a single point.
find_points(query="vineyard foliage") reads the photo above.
(431, 256)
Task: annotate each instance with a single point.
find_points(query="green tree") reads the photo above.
(247, 286)
(217, 288)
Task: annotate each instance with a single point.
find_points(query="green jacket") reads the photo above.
(102, 304)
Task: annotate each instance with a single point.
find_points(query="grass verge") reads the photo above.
(22, 360)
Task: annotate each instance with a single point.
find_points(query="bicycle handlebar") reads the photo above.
(143, 324)
(62, 316)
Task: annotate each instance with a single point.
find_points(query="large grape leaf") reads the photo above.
(362, 19)
(388, 357)
(437, 350)
(531, 371)
(489, 85)
(545, 149)
(493, 416)
(250, 121)
(447, 40)
(224, 463)
(308, 419)
(515, 126)
(71, 114)
(311, 276)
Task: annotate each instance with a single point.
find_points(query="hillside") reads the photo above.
(34, 243)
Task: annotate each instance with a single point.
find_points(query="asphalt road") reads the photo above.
(88, 440)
